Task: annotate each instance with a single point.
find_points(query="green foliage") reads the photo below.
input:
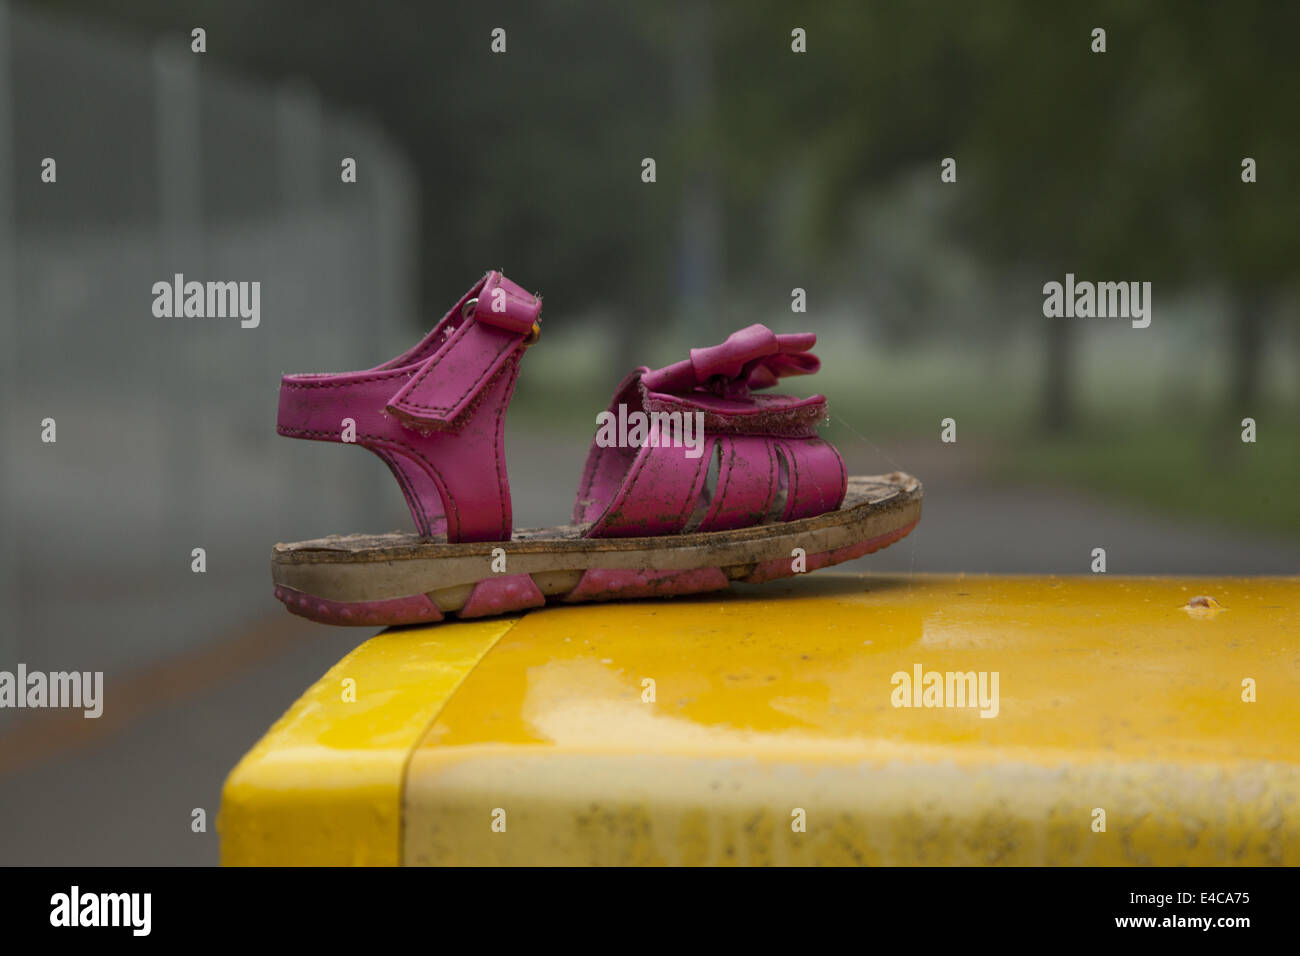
(1115, 161)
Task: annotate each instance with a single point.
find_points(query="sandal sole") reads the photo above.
(400, 578)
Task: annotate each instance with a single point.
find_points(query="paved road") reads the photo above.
(970, 522)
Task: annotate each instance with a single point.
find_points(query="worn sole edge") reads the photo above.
(375, 573)
(862, 490)
(405, 571)
(506, 594)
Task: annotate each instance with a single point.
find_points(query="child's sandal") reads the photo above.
(648, 520)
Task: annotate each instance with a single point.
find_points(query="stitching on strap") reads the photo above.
(437, 359)
(287, 382)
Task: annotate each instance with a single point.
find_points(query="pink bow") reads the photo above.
(754, 357)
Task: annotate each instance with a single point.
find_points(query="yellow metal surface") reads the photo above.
(324, 786)
(1113, 697)
(765, 726)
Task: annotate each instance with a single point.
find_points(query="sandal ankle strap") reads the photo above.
(435, 414)
(498, 319)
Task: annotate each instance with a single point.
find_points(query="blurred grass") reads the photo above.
(1207, 474)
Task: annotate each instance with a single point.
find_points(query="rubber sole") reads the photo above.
(381, 580)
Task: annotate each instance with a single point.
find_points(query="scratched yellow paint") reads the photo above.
(1113, 697)
(773, 706)
(324, 786)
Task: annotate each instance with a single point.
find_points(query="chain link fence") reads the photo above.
(165, 427)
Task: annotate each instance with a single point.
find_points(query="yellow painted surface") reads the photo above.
(324, 786)
(1112, 697)
(774, 705)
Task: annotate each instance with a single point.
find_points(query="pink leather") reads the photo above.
(772, 465)
(754, 357)
(748, 480)
(657, 495)
(434, 414)
(720, 382)
(817, 477)
(450, 379)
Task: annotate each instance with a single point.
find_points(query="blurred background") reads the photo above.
(775, 171)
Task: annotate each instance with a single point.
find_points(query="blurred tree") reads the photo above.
(1240, 83)
(528, 160)
(1122, 165)
(1115, 165)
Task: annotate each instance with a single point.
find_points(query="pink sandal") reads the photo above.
(665, 507)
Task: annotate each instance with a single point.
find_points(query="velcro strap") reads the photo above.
(450, 380)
